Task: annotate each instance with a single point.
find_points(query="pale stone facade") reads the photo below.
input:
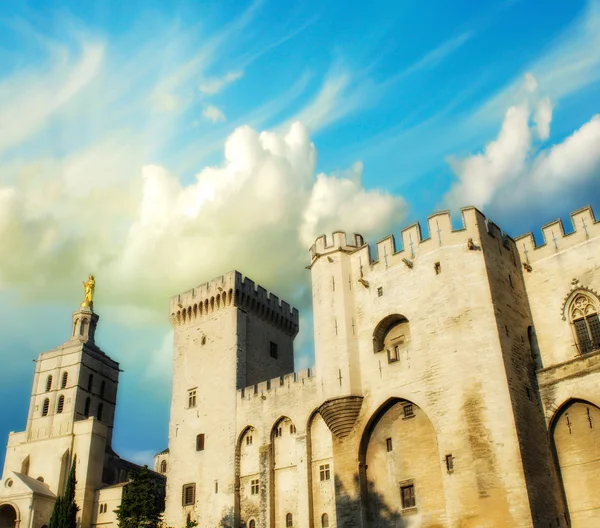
(71, 413)
(457, 384)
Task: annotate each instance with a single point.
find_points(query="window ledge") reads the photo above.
(409, 511)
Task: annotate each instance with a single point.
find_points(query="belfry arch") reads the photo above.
(9, 516)
(575, 437)
(400, 470)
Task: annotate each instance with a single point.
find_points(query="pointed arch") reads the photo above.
(65, 379)
(582, 310)
(49, 383)
(45, 407)
(61, 404)
(383, 328)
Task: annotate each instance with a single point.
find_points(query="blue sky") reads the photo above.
(160, 144)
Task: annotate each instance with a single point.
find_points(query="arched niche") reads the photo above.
(575, 432)
(391, 334)
(284, 471)
(400, 468)
(248, 487)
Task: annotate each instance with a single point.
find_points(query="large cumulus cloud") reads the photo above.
(151, 236)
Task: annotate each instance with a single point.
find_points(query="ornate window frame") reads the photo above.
(579, 305)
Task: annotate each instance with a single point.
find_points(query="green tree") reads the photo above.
(64, 514)
(142, 502)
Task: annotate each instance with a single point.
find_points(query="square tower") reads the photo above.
(229, 334)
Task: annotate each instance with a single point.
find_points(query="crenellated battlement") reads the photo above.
(289, 382)
(232, 289)
(412, 242)
(555, 240)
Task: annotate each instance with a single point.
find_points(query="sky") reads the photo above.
(159, 145)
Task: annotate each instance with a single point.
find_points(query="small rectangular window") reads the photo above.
(408, 496)
(188, 494)
(273, 350)
(216, 486)
(380, 291)
(438, 268)
(192, 398)
(388, 444)
(254, 487)
(200, 442)
(393, 353)
(450, 463)
(324, 472)
(408, 411)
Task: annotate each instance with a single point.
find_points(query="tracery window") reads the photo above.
(586, 324)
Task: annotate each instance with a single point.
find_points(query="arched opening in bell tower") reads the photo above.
(8, 516)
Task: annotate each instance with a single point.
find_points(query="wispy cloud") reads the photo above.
(213, 86)
(213, 114)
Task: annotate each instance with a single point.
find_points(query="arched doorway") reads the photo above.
(401, 474)
(576, 435)
(8, 516)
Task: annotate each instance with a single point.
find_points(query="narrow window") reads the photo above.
(408, 411)
(65, 378)
(273, 350)
(61, 404)
(216, 486)
(200, 442)
(203, 340)
(254, 487)
(86, 410)
(289, 520)
(102, 388)
(192, 398)
(252, 523)
(324, 521)
(249, 440)
(449, 463)
(49, 384)
(90, 382)
(46, 407)
(100, 411)
(163, 466)
(408, 496)
(393, 354)
(438, 268)
(189, 494)
(388, 444)
(292, 429)
(380, 291)
(324, 472)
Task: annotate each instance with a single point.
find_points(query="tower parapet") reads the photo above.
(232, 289)
(555, 240)
(413, 245)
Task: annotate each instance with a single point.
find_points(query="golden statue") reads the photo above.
(88, 301)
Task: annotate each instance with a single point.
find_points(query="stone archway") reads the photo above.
(400, 468)
(575, 433)
(8, 516)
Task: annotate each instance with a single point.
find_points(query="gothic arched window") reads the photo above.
(65, 378)
(163, 466)
(252, 523)
(86, 410)
(100, 409)
(49, 384)
(289, 520)
(586, 324)
(102, 388)
(325, 521)
(46, 407)
(61, 404)
(90, 382)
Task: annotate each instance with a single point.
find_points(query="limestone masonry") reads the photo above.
(456, 384)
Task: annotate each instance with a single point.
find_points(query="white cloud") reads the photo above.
(258, 211)
(212, 113)
(213, 86)
(513, 175)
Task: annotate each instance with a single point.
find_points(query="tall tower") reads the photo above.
(229, 334)
(71, 413)
(336, 340)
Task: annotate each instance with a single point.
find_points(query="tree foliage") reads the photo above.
(64, 514)
(142, 502)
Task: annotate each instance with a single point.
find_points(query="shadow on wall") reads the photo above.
(377, 514)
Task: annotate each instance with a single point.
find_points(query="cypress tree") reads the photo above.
(64, 514)
(142, 502)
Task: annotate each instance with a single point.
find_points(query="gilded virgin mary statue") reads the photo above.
(88, 301)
